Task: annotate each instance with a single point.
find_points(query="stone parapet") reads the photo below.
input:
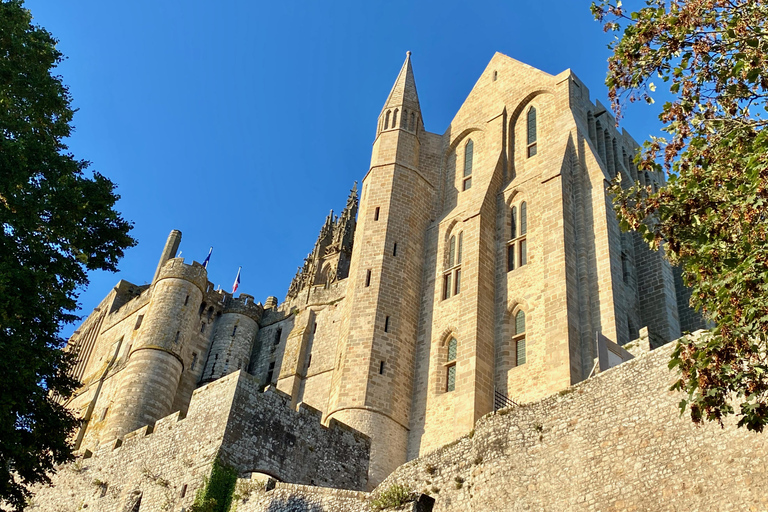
(244, 305)
(175, 268)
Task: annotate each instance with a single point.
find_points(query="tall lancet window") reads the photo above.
(517, 246)
(452, 272)
(450, 366)
(531, 127)
(468, 156)
(518, 337)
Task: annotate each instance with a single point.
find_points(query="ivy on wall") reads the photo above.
(216, 494)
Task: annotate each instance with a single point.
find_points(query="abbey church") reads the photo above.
(471, 271)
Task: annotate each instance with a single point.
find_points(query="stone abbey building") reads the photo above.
(470, 271)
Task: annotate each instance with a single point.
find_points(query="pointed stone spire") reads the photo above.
(403, 93)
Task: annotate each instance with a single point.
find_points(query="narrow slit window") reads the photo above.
(523, 252)
(446, 286)
(394, 119)
(186, 301)
(405, 119)
(202, 327)
(413, 122)
(457, 284)
(452, 251)
(381, 368)
(510, 257)
(531, 126)
(513, 229)
(468, 158)
(138, 322)
(523, 218)
(234, 330)
(309, 361)
(176, 340)
(459, 250)
(386, 324)
(376, 213)
(394, 250)
(367, 278)
(194, 361)
(386, 121)
(278, 335)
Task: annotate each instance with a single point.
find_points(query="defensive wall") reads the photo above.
(615, 442)
(164, 464)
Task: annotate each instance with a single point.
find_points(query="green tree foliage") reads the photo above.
(711, 215)
(57, 223)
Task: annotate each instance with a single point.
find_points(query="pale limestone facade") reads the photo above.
(423, 306)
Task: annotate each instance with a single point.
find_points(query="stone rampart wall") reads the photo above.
(164, 465)
(266, 435)
(615, 442)
(301, 498)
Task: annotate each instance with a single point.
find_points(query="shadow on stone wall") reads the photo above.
(294, 504)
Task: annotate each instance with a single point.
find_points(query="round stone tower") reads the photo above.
(233, 338)
(151, 377)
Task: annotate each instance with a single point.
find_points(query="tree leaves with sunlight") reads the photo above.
(57, 223)
(711, 217)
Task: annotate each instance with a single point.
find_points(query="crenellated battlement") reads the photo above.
(244, 305)
(175, 268)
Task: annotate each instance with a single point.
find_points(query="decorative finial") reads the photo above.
(408, 53)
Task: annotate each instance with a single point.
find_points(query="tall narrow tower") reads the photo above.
(372, 383)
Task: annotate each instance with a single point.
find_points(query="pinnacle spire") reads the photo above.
(403, 93)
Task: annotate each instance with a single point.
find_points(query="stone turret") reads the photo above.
(233, 339)
(149, 382)
(372, 386)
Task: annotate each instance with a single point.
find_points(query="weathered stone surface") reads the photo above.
(440, 251)
(228, 419)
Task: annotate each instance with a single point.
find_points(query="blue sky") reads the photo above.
(242, 123)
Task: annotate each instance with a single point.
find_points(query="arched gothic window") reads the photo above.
(468, 156)
(518, 337)
(452, 273)
(517, 246)
(405, 119)
(600, 142)
(413, 122)
(386, 120)
(394, 119)
(531, 128)
(450, 365)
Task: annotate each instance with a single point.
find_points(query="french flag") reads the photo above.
(237, 281)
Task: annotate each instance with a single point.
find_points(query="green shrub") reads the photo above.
(395, 496)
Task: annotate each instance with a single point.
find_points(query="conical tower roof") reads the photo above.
(403, 93)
